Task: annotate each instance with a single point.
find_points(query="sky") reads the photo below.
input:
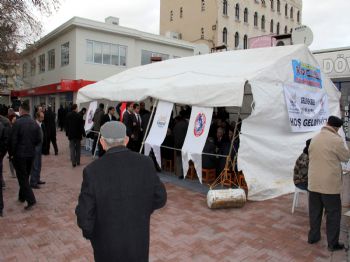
(328, 19)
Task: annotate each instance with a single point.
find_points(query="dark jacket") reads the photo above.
(106, 119)
(74, 126)
(209, 162)
(4, 134)
(50, 123)
(99, 113)
(25, 136)
(119, 192)
(128, 121)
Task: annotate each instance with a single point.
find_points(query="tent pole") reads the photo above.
(224, 176)
(148, 125)
(97, 143)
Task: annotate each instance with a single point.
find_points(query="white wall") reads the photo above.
(60, 72)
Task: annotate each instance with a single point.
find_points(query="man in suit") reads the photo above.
(75, 132)
(50, 124)
(137, 129)
(99, 113)
(36, 168)
(129, 122)
(25, 136)
(110, 116)
(119, 193)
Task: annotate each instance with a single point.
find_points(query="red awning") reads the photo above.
(63, 86)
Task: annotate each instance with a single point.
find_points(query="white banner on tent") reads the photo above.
(159, 129)
(90, 115)
(197, 133)
(308, 110)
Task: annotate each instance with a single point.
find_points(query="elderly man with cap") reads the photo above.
(119, 192)
(326, 152)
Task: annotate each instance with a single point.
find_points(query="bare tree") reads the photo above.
(20, 25)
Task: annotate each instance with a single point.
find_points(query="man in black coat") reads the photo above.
(50, 124)
(119, 192)
(75, 132)
(110, 116)
(25, 136)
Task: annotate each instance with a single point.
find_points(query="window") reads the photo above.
(286, 29)
(278, 6)
(51, 58)
(245, 42)
(237, 11)
(291, 30)
(32, 67)
(246, 15)
(202, 33)
(25, 70)
(271, 26)
(272, 5)
(224, 35)
(42, 63)
(171, 15)
(203, 5)
(286, 10)
(122, 55)
(236, 39)
(89, 51)
(181, 12)
(298, 16)
(146, 56)
(263, 3)
(263, 22)
(256, 19)
(105, 53)
(224, 8)
(292, 12)
(65, 54)
(278, 29)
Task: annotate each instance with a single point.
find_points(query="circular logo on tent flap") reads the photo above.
(90, 116)
(199, 124)
(161, 122)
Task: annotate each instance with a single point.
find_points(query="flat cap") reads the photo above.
(113, 130)
(335, 121)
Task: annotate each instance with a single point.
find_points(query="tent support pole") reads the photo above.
(224, 177)
(148, 125)
(97, 143)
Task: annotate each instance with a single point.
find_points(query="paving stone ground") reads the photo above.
(185, 230)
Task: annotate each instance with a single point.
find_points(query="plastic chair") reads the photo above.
(296, 198)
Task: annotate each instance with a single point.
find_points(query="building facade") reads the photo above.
(81, 52)
(228, 23)
(336, 65)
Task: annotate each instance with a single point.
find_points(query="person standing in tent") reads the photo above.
(326, 152)
(99, 113)
(75, 132)
(118, 194)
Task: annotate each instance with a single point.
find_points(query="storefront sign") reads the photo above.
(306, 74)
(336, 64)
(307, 109)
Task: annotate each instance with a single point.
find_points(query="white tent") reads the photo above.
(268, 148)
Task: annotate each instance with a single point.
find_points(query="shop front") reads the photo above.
(57, 94)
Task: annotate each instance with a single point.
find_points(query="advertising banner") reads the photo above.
(307, 109)
(159, 129)
(307, 74)
(90, 115)
(197, 133)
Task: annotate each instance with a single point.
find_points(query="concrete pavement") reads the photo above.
(185, 230)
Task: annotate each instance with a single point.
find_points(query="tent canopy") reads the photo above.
(268, 148)
(211, 80)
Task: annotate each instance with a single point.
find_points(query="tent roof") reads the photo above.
(210, 80)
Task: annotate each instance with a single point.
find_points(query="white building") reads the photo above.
(82, 51)
(336, 64)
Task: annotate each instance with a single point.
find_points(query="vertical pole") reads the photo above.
(98, 141)
(148, 124)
